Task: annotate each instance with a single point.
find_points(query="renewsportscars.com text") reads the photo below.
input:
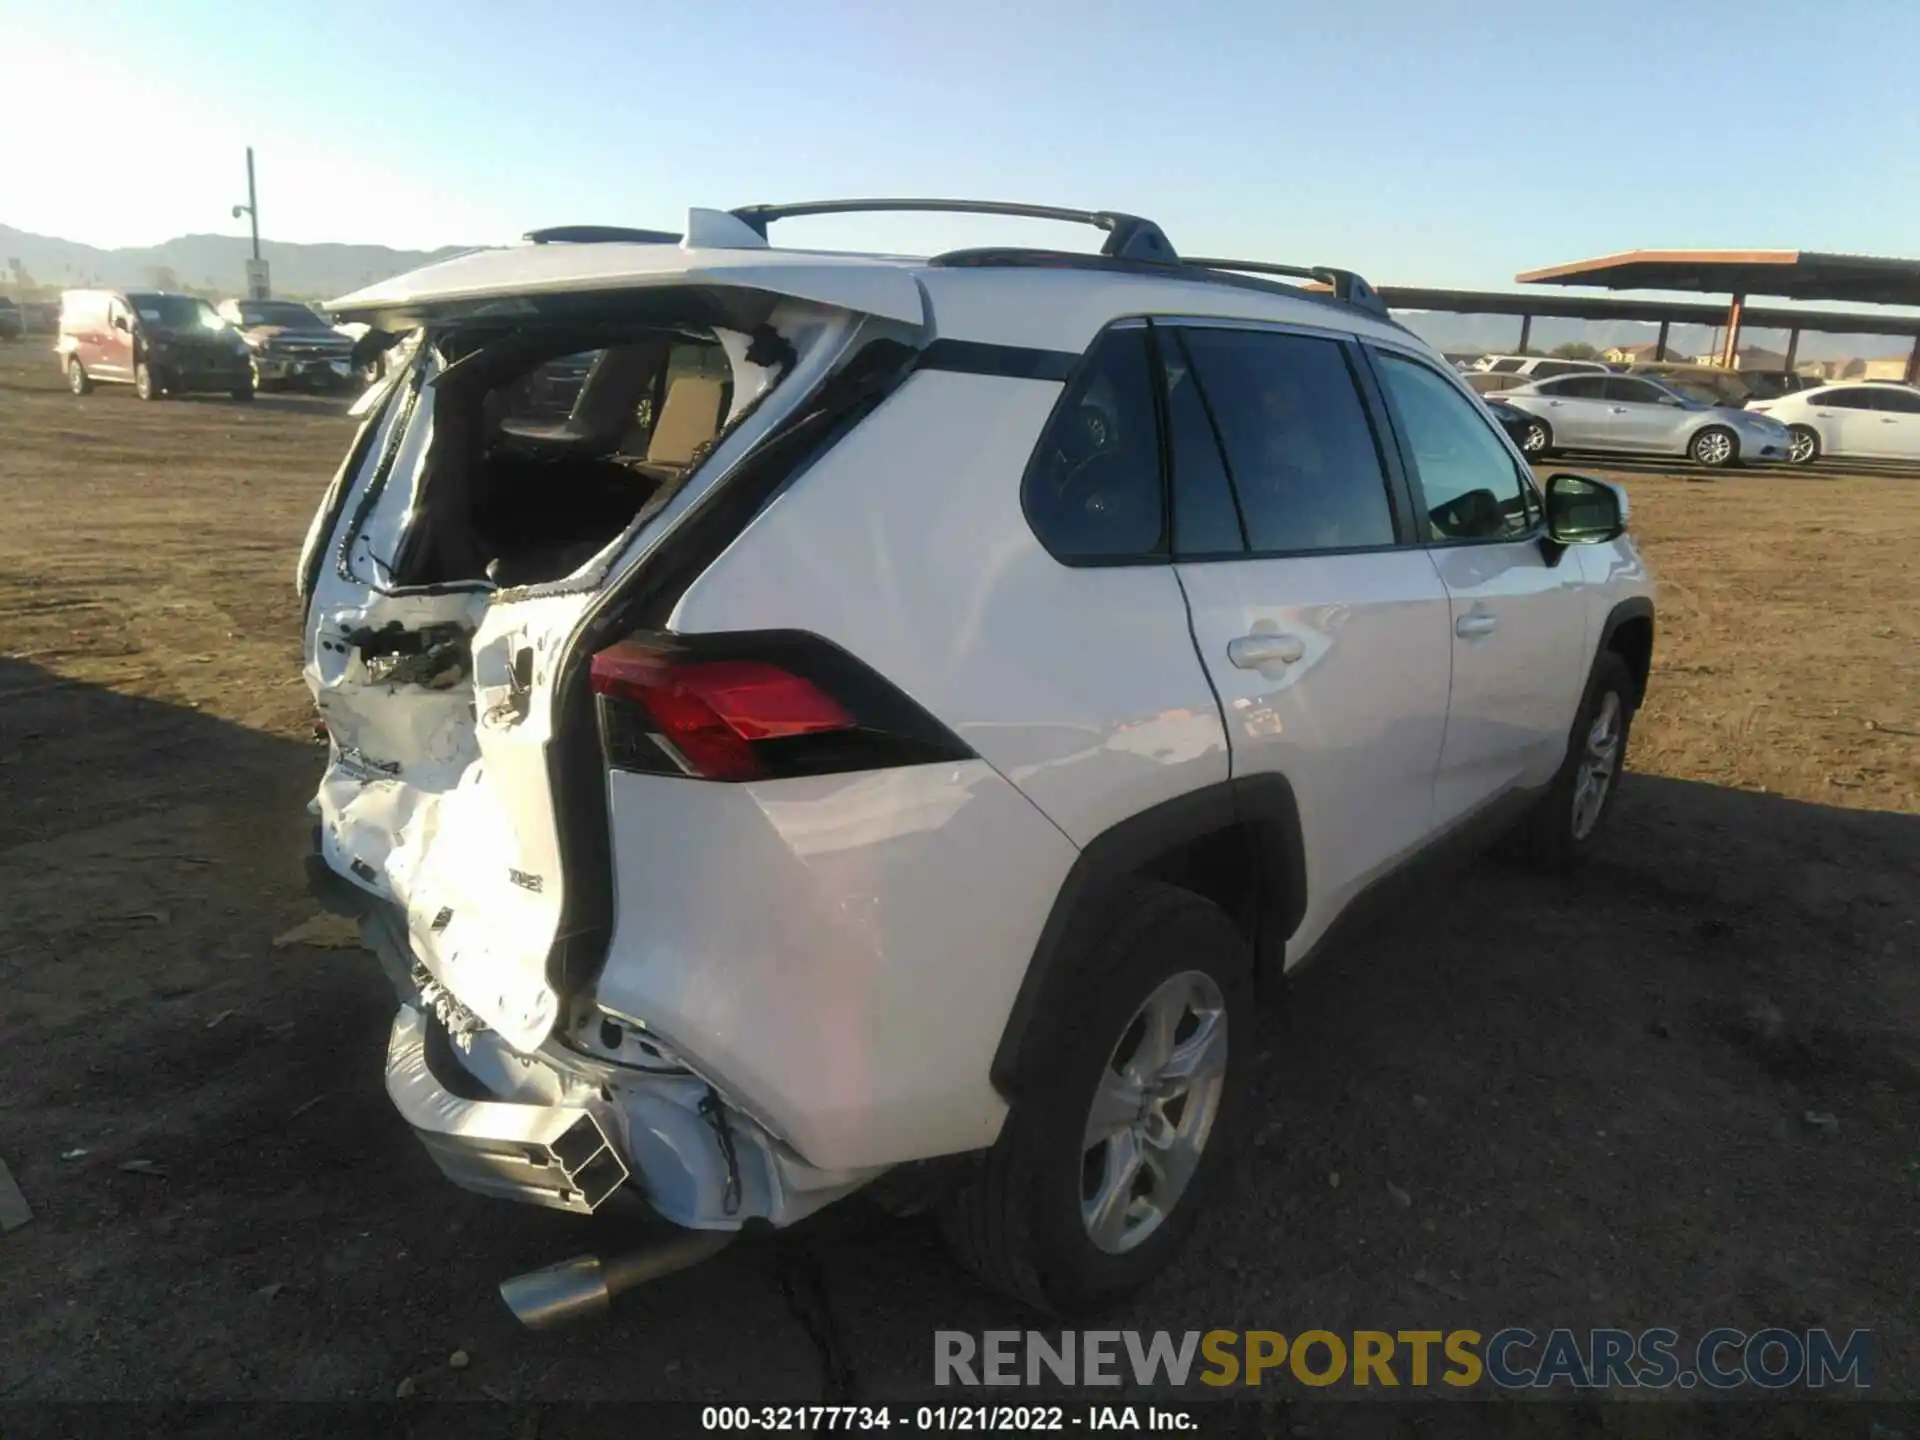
(1774, 1358)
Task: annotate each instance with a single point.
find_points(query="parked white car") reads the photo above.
(1635, 415)
(882, 726)
(1859, 420)
(1537, 367)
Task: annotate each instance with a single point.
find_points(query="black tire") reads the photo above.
(1716, 447)
(78, 381)
(145, 383)
(1551, 836)
(1016, 1221)
(1536, 442)
(1803, 444)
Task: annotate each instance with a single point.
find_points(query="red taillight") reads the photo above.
(713, 712)
(755, 705)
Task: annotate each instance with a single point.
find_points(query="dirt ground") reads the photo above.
(1574, 1102)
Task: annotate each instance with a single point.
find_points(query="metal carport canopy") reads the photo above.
(1795, 274)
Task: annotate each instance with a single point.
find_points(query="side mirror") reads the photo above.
(1584, 511)
(120, 323)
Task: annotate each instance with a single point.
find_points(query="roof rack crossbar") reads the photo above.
(1128, 236)
(600, 235)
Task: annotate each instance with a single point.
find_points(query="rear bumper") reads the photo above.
(523, 1127)
(562, 1130)
(556, 1155)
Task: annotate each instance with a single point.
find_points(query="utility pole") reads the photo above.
(258, 287)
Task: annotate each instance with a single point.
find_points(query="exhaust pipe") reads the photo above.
(586, 1284)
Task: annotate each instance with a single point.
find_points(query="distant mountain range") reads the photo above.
(209, 264)
(216, 265)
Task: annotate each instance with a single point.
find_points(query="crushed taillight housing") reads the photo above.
(758, 706)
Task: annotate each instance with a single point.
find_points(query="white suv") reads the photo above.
(800, 716)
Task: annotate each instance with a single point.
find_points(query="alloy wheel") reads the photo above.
(1713, 447)
(1599, 759)
(1534, 442)
(1801, 447)
(1153, 1112)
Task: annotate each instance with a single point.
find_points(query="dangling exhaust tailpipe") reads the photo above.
(586, 1284)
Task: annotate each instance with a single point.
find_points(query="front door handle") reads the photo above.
(1250, 652)
(1617, 410)
(1472, 627)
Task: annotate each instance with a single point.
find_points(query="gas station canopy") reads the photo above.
(1797, 274)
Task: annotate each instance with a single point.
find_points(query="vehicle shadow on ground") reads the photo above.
(1572, 1101)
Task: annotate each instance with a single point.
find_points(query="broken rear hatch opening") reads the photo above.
(539, 448)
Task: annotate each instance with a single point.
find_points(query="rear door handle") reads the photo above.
(1617, 409)
(1472, 627)
(1250, 652)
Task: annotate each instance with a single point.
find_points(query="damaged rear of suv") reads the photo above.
(772, 745)
(486, 585)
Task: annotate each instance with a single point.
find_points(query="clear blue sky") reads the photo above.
(1449, 142)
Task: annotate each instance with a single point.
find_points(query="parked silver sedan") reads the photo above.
(1634, 414)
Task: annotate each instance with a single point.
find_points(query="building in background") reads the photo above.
(1644, 353)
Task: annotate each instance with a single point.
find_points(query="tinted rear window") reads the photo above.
(1092, 489)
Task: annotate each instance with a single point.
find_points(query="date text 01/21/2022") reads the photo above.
(979, 1418)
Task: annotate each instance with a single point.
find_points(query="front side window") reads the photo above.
(1472, 486)
(1299, 446)
(1901, 402)
(1092, 489)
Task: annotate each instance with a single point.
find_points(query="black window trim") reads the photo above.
(1398, 429)
(1162, 335)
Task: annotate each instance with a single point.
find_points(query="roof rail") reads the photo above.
(1129, 237)
(1345, 284)
(599, 235)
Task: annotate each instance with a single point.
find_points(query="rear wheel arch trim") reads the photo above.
(1261, 806)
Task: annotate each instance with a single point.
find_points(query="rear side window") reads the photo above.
(1471, 485)
(1629, 391)
(1298, 444)
(1580, 387)
(1850, 400)
(1092, 489)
